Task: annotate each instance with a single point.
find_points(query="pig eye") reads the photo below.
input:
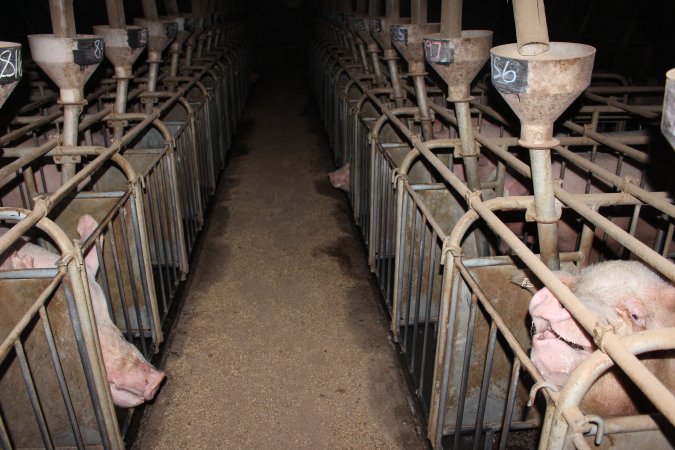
(634, 317)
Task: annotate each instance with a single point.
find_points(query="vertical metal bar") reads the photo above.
(138, 225)
(418, 284)
(156, 239)
(104, 423)
(63, 386)
(411, 262)
(400, 258)
(32, 395)
(104, 276)
(447, 355)
(118, 278)
(427, 315)
(4, 437)
(466, 364)
(485, 386)
(132, 282)
(510, 405)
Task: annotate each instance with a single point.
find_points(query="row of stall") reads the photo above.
(138, 152)
(455, 196)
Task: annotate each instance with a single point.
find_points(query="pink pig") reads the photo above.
(339, 178)
(133, 380)
(616, 291)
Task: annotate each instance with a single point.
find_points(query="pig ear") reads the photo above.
(85, 227)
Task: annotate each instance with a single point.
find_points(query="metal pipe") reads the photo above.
(373, 8)
(592, 368)
(418, 11)
(115, 9)
(63, 18)
(451, 18)
(171, 7)
(531, 29)
(150, 10)
(393, 9)
(546, 216)
(391, 58)
(417, 73)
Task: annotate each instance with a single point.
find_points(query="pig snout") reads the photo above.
(339, 178)
(133, 383)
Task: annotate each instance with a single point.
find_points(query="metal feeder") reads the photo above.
(408, 39)
(160, 35)
(668, 118)
(68, 62)
(10, 53)
(539, 88)
(123, 46)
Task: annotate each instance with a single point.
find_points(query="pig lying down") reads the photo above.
(339, 178)
(626, 292)
(132, 379)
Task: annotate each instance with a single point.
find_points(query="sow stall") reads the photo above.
(452, 220)
(139, 153)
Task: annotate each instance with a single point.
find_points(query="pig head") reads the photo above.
(339, 178)
(625, 294)
(132, 379)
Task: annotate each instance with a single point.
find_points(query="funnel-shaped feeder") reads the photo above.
(68, 62)
(458, 60)
(668, 118)
(160, 33)
(123, 46)
(539, 88)
(361, 26)
(10, 58)
(380, 29)
(182, 33)
(408, 39)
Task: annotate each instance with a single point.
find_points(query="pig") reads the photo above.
(626, 292)
(132, 379)
(339, 178)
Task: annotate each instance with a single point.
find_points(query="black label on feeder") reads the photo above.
(399, 34)
(359, 25)
(439, 51)
(137, 38)
(376, 25)
(509, 76)
(11, 69)
(171, 29)
(189, 24)
(88, 52)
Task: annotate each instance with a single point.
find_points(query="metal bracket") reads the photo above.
(531, 213)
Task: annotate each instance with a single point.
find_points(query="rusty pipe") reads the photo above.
(63, 18)
(150, 10)
(393, 9)
(115, 10)
(171, 7)
(418, 11)
(531, 29)
(451, 18)
(416, 69)
(546, 216)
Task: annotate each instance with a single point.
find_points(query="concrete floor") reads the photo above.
(281, 342)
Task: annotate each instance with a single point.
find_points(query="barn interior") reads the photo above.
(337, 224)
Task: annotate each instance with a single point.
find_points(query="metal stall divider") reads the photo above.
(53, 389)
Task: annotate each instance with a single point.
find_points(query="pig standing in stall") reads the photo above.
(132, 379)
(616, 291)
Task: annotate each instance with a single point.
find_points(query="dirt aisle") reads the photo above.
(281, 343)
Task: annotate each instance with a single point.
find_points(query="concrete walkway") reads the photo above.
(281, 342)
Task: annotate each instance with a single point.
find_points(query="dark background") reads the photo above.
(632, 38)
